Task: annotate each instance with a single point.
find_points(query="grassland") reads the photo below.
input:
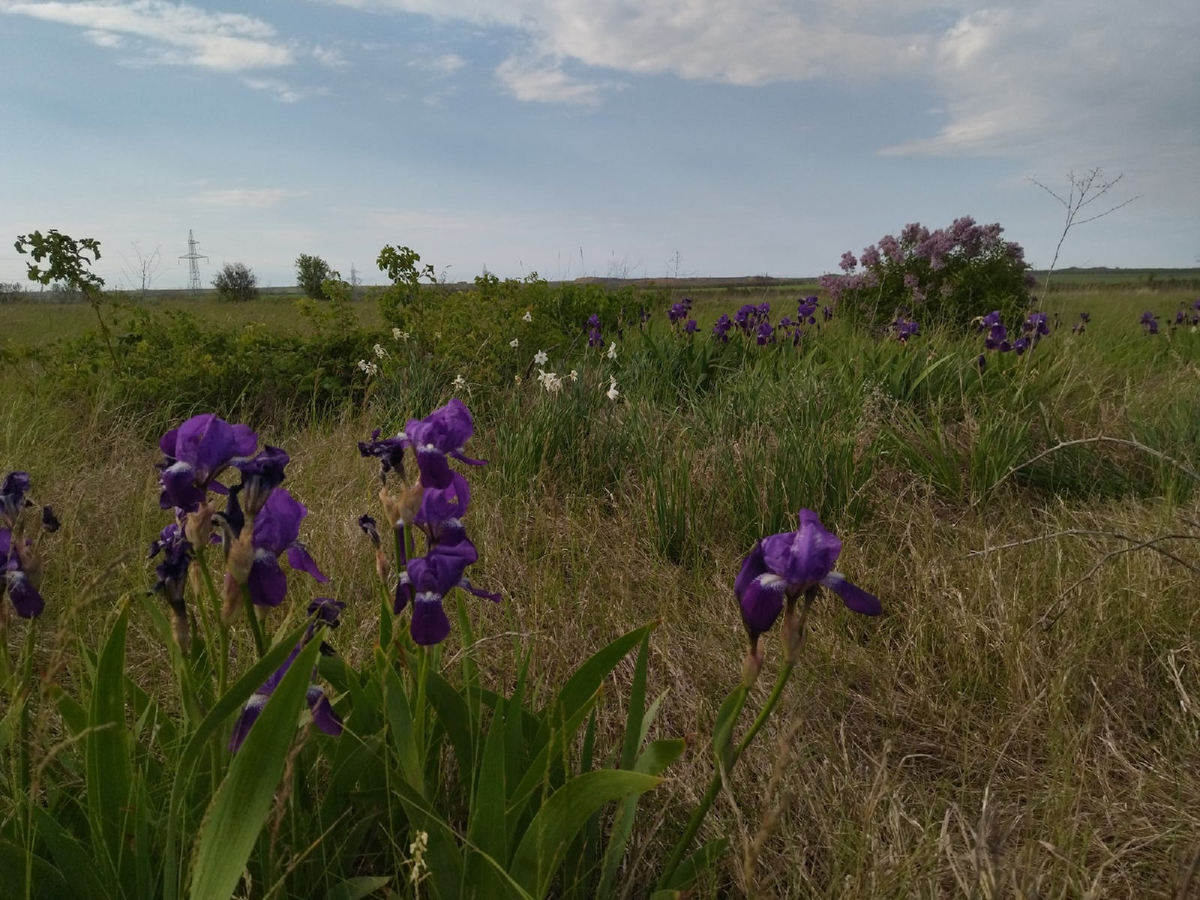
(1023, 721)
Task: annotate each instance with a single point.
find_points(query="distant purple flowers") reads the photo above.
(934, 275)
(1149, 322)
(905, 328)
(434, 506)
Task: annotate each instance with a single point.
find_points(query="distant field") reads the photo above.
(35, 322)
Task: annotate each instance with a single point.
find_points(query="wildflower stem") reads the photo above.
(214, 599)
(714, 786)
(260, 642)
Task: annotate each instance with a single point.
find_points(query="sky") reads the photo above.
(645, 138)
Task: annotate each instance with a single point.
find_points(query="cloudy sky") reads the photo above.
(592, 137)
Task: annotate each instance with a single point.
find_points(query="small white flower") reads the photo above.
(459, 381)
(514, 343)
(368, 367)
(540, 358)
(612, 350)
(399, 335)
(528, 317)
(516, 379)
(437, 335)
(574, 376)
(380, 353)
(612, 393)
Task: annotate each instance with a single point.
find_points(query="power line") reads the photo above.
(193, 258)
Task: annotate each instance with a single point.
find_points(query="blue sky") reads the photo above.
(592, 137)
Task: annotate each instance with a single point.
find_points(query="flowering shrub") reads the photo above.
(943, 278)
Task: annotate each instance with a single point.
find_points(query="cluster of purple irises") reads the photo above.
(20, 565)
(1036, 326)
(682, 312)
(754, 320)
(432, 505)
(1185, 317)
(260, 522)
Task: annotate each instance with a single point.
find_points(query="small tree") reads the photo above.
(402, 266)
(236, 282)
(311, 272)
(66, 261)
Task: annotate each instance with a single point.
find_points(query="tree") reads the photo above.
(143, 269)
(236, 282)
(66, 260)
(1085, 190)
(311, 272)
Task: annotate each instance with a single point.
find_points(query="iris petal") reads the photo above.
(852, 595)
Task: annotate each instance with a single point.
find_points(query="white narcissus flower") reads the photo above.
(399, 335)
(459, 381)
(514, 343)
(612, 350)
(612, 393)
(540, 358)
(369, 367)
(528, 317)
(574, 376)
(380, 353)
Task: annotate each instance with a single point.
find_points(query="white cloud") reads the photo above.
(253, 197)
(329, 57)
(1058, 82)
(442, 66)
(176, 34)
(283, 91)
(543, 80)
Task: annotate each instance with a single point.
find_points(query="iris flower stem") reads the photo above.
(420, 706)
(26, 704)
(214, 599)
(260, 641)
(714, 786)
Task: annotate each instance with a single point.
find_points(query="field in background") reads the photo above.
(1024, 720)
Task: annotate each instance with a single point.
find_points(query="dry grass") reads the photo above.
(963, 745)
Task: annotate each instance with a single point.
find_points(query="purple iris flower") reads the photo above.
(997, 337)
(389, 452)
(276, 530)
(439, 435)
(15, 580)
(905, 328)
(196, 452)
(784, 566)
(12, 496)
(827, 312)
(323, 714)
(323, 611)
(764, 333)
(427, 580)
(807, 310)
(1037, 324)
(1149, 322)
(691, 327)
(261, 475)
(721, 329)
(1020, 345)
(679, 311)
(595, 338)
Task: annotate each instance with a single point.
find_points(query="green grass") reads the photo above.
(1024, 720)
